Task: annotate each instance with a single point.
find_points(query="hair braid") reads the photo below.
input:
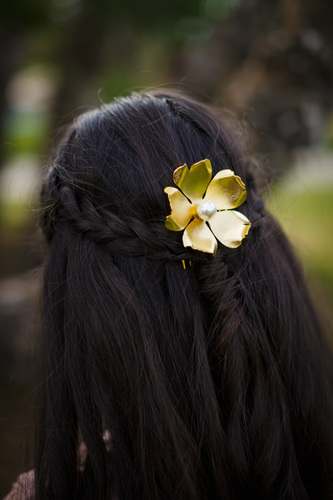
(125, 235)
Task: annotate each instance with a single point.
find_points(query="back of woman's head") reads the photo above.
(210, 379)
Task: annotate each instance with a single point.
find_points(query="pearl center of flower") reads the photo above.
(206, 209)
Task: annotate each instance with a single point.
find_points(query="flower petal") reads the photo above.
(198, 236)
(180, 210)
(230, 227)
(226, 190)
(193, 182)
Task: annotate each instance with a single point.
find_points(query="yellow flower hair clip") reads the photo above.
(199, 200)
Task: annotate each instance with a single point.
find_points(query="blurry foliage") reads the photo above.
(328, 135)
(61, 55)
(14, 218)
(24, 15)
(274, 62)
(93, 44)
(273, 59)
(27, 130)
(307, 218)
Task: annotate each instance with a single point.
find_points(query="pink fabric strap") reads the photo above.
(24, 488)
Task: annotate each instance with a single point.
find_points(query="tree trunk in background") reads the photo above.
(12, 54)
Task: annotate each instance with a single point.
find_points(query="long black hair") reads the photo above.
(211, 382)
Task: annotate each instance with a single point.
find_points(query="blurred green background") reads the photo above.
(269, 62)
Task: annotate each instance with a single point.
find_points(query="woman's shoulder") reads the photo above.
(24, 488)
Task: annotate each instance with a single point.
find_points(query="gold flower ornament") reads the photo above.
(204, 207)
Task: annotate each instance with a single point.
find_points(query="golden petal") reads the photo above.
(226, 190)
(193, 182)
(230, 227)
(198, 236)
(180, 210)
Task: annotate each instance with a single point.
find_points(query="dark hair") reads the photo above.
(214, 381)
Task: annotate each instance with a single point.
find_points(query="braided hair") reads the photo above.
(214, 381)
